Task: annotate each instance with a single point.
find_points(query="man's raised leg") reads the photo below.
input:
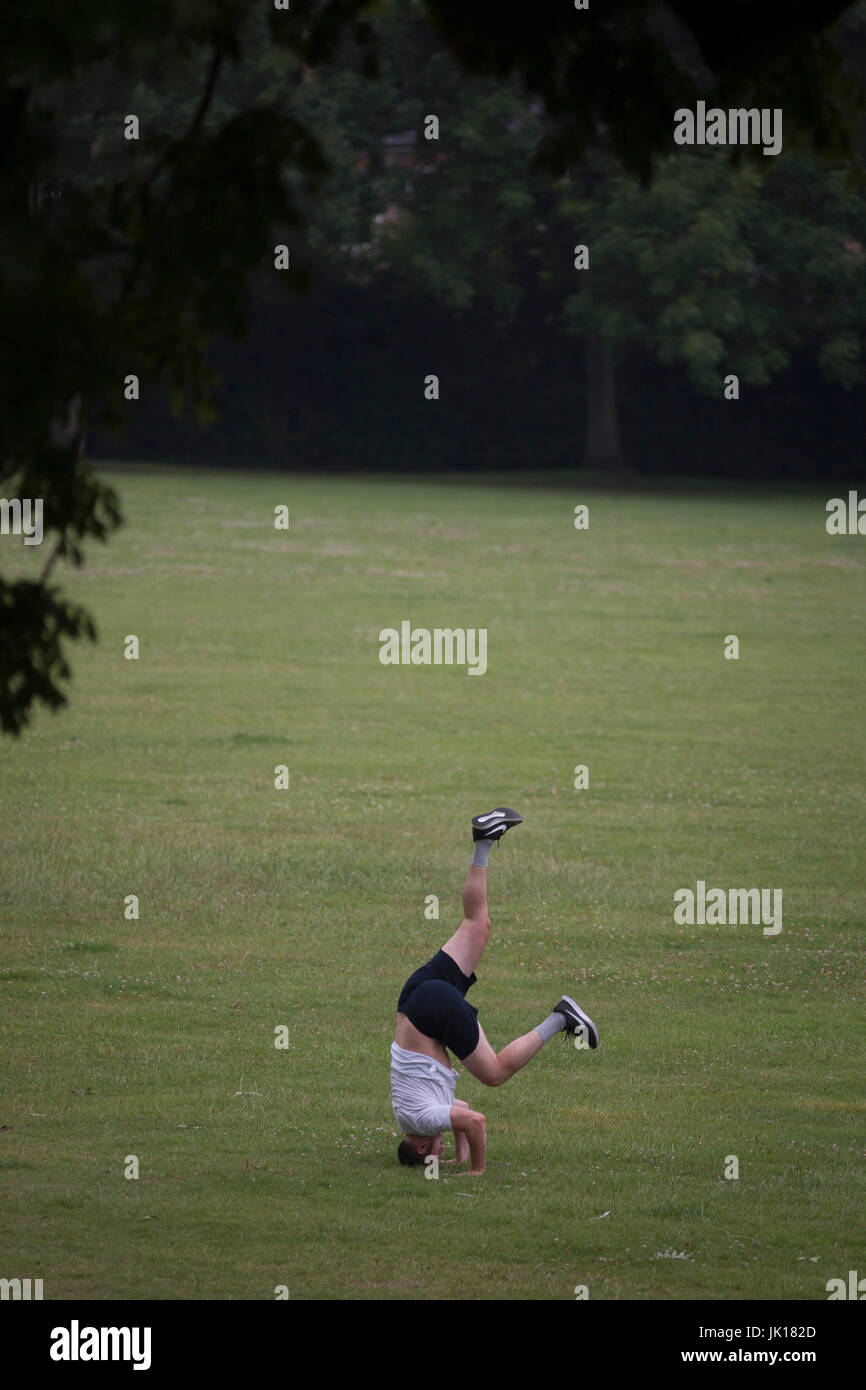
(466, 946)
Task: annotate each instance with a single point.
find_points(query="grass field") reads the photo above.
(262, 1167)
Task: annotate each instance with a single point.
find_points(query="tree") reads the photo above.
(727, 272)
(722, 268)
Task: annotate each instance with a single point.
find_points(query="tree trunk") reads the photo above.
(603, 451)
(64, 430)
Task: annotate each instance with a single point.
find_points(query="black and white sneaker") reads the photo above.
(576, 1019)
(493, 824)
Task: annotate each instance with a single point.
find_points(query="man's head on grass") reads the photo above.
(412, 1151)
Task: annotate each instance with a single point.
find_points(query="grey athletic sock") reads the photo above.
(553, 1024)
(482, 853)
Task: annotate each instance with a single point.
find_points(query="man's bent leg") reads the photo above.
(466, 946)
(493, 1068)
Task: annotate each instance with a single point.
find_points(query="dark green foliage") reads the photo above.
(620, 69)
(121, 257)
(33, 619)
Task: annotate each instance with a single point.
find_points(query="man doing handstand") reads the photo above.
(433, 1014)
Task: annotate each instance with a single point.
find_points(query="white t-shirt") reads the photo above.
(422, 1091)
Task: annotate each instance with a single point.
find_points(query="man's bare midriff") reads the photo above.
(408, 1037)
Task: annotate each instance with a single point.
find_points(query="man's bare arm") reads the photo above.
(473, 1125)
(461, 1142)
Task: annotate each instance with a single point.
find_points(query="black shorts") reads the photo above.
(433, 1000)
